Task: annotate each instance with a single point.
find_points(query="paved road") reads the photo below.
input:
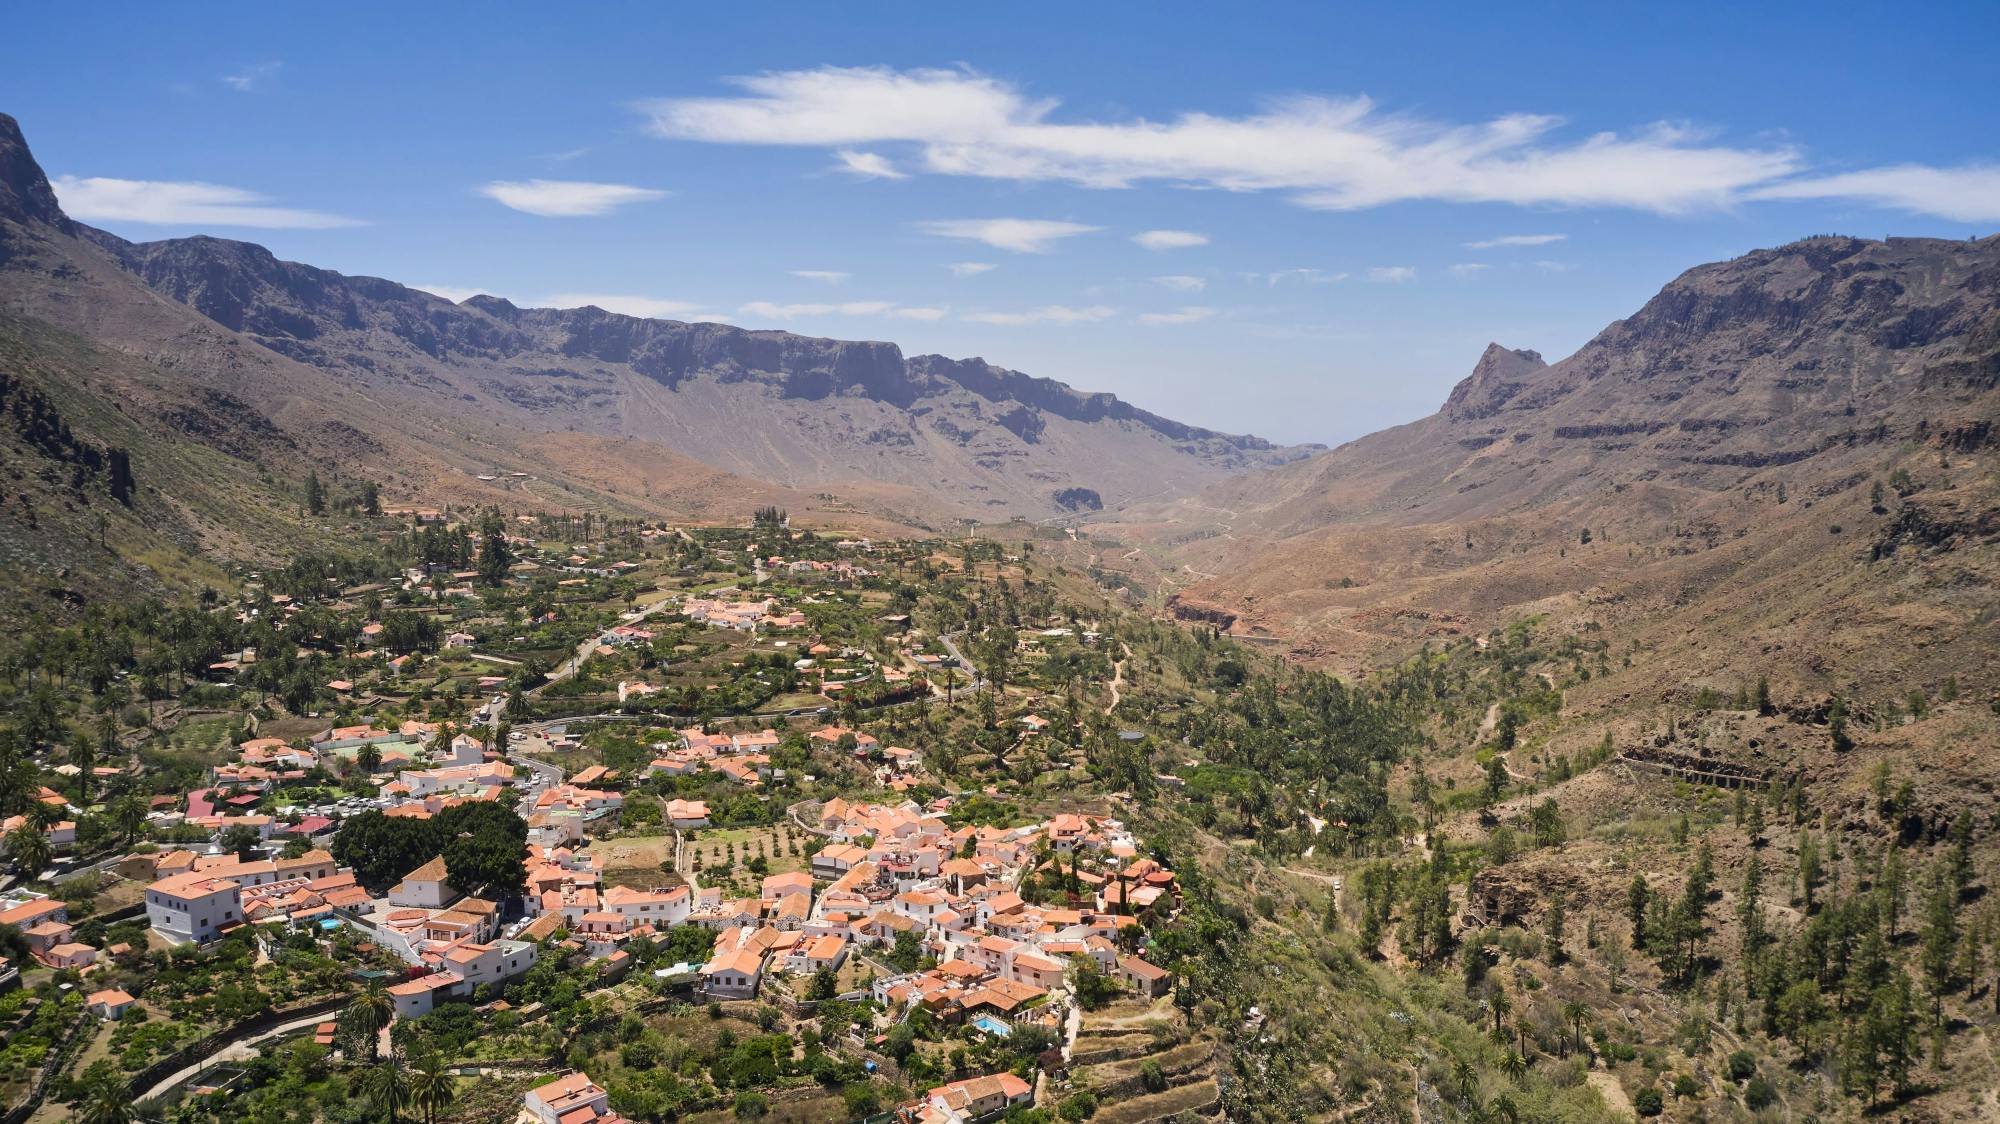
(972, 672)
(239, 1050)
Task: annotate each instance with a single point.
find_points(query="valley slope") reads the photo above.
(1782, 464)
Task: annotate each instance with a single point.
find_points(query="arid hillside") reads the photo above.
(1782, 464)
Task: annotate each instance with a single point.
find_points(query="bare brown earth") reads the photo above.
(1722, 448)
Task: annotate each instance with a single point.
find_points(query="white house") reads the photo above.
(568, 1100)
(426, 887)
(193, 907)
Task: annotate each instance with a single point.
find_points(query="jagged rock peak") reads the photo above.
(25, 194)
(1497, 377)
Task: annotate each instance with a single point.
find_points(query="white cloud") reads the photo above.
(652, 308)
(1335, 154)
(167, 203)
(1393, 274)
(567, 198)
(1047, 314)
(768, 310)
(1467, 269)
(1552, 266)
(869, 165)
(453, 293)
(1966, 194)
(1181, 283)
(970, 268)
(1187, 315)
(1298, 275)
(1169, 239)
(1515, 240)
(1023, 236)
(252, 78)
(830, 276)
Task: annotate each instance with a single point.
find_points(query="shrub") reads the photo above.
(1648, 1102)
(1152, 1077)
(1742, 1066)
(1078, 1106)
(1686, 1086)
(1759, 1094)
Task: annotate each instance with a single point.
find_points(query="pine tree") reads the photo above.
(1750, 909)
(315, 495)
(1939, 955)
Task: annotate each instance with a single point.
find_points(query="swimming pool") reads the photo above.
(992, 1026)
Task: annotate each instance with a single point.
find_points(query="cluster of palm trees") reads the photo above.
(1513, 1064)
(396, 1088)
(391, 1084)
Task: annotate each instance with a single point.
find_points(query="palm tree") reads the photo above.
(106, 1106)
(1503, 1108)
(432, 1089)
(1576, 1011)
(129, 813)
(1514, 1066)
(386, 1087)
(29, 848)
(371, 1011)
(1468, 1081)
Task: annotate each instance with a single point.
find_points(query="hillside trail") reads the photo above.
(1118, 675)
(1487, 725)
(1607, 1087)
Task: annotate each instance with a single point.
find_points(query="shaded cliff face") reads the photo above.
(24, 190)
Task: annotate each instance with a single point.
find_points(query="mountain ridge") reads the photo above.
(1783, 464)
(930, 437)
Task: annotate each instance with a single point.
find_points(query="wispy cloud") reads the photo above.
(453, 293)
(1023, 236)
(1393, 274)
(1188, 315)
(567, 198)
(653, 308)
(1329, 153)
(1547, 266)
(253, 77)
(188, 203)
(1047, 314)
(1966, 194)
(768, 310)
(829, 276)
(1169, 239)
(1515, 240)
(970, 268)
(1181, 283)
(1467, 269)
(1300, 275)
(869, 165)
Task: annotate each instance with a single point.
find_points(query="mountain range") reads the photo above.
(1796, 446)
(297, 369)
(1781, 465)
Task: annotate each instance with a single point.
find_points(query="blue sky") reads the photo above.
(1299, 221)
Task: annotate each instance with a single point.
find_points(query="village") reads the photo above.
(381, 834)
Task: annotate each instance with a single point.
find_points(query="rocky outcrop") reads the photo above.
(1500, 374)
(1200, 612)
(25, 194)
